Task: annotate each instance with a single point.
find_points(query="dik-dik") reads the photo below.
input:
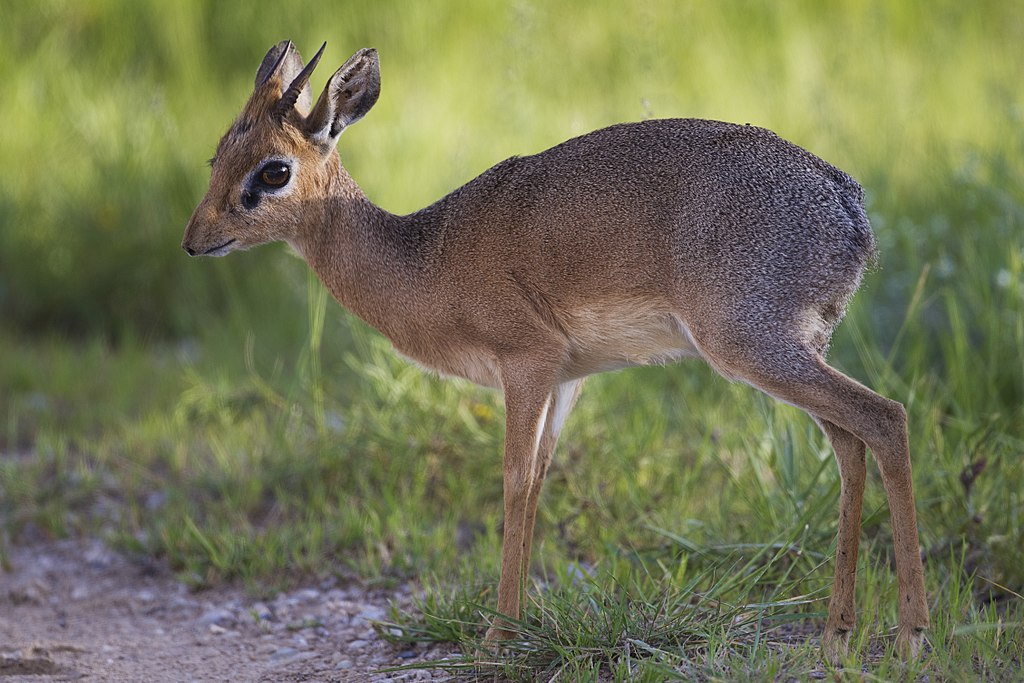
(639, 243)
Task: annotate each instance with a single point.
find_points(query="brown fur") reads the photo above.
(640, 243)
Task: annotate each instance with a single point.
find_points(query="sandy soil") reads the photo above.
(75, 610)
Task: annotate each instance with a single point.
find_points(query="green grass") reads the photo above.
(226, 418)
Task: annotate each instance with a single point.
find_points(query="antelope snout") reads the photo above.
(188, 242)
(197, 229)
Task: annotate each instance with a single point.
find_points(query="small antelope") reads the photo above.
(639, 243)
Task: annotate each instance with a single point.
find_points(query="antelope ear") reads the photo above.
(348, 95)
(283, 68)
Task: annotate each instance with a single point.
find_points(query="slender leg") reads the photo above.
(882, 425)
(841, 609)
(894, 465)
(798, 375)
(563, 400)
(527, 401)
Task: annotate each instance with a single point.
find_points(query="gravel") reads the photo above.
(77, 610)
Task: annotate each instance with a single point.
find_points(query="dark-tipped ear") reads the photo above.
(283, 65)
(346, 98)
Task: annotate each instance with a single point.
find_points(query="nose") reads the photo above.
(188, 250)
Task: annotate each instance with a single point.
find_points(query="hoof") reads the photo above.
(910, 643)
(835, 645)
(495, 635)
(493, 645)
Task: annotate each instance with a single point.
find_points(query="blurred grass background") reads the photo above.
(222, 415)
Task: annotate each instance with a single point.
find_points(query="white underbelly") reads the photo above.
(600, 338)
(476, 366)
(616, 337)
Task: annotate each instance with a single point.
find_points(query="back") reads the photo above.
(682, 207)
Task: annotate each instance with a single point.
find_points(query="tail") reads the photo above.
(851, 197)
(858, 245)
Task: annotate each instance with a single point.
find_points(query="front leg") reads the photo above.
(527, 398)
(563, 398)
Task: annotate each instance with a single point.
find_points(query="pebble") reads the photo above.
(97, 556)
(261, 612)
(283, 653)
(155, 500)
(31, 593)
(372, 613)
(308, 594)
(181, 601)
(219, 617)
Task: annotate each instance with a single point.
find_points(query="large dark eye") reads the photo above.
(275, 174)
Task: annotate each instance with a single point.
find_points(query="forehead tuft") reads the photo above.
(237, 139)
(248, 139)
(240, 127)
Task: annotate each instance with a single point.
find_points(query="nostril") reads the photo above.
(189, 250)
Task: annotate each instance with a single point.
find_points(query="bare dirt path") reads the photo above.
(75, 610)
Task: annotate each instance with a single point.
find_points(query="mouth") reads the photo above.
(220, 250)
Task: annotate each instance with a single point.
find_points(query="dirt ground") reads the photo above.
(76, 610)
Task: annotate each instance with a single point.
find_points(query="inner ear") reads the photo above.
(348, 95)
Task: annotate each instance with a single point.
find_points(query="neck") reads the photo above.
(369, 259)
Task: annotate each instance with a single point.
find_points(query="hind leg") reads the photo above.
(798, 375)
(881, 424)
(841, 608)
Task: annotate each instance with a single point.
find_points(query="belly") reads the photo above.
(476, 365)
(612, 337)
(599, 338)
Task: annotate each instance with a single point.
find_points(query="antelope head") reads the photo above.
(280, 153)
